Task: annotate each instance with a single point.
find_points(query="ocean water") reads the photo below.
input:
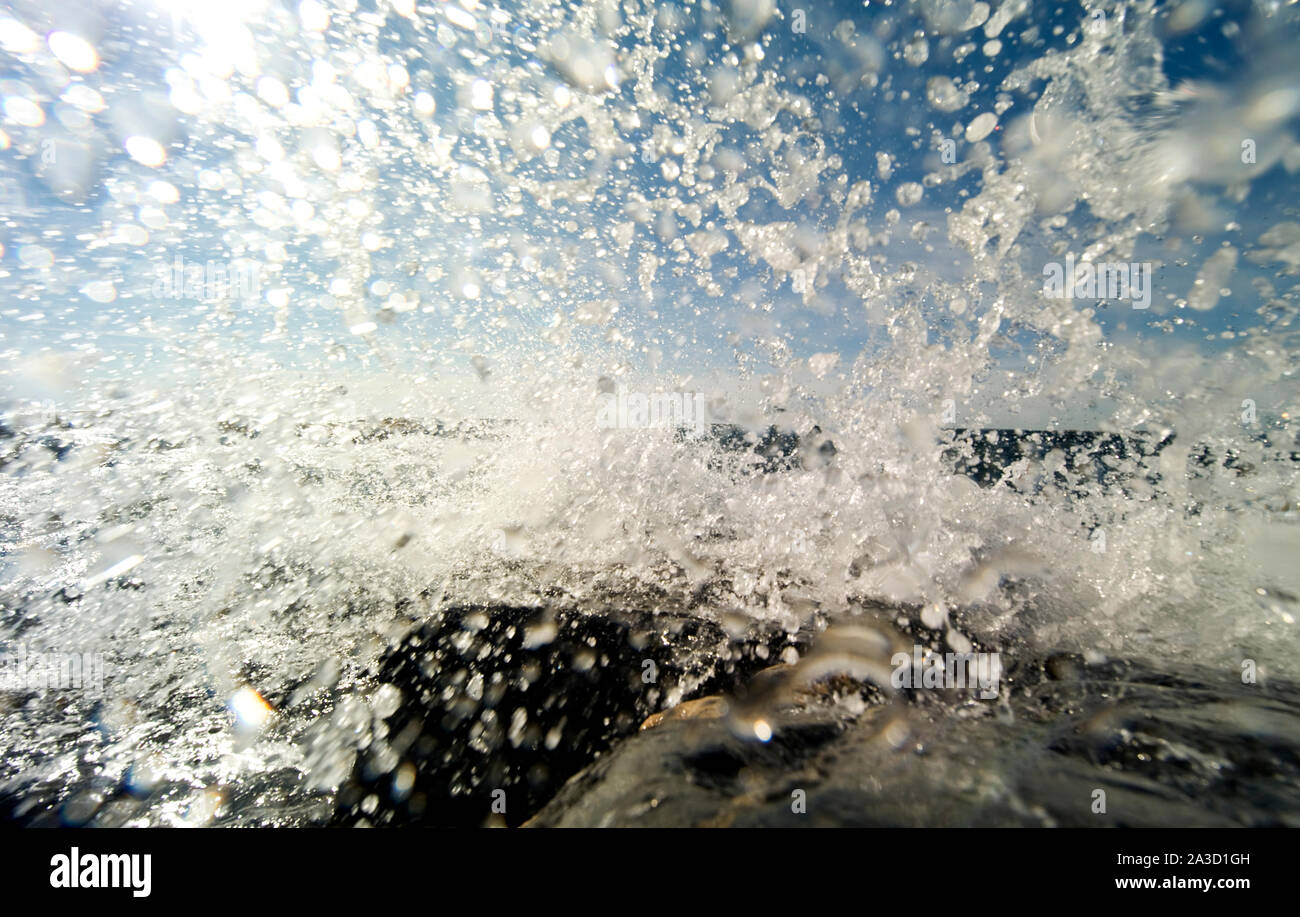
(364, 362)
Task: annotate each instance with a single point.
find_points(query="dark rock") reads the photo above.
(517, 700)
(1166, 749)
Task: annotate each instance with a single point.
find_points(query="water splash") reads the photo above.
(463, 225)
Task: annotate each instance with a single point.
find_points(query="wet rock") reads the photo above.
(493, 708)
(1069, 744)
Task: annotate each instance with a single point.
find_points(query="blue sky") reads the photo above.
(856, 123)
